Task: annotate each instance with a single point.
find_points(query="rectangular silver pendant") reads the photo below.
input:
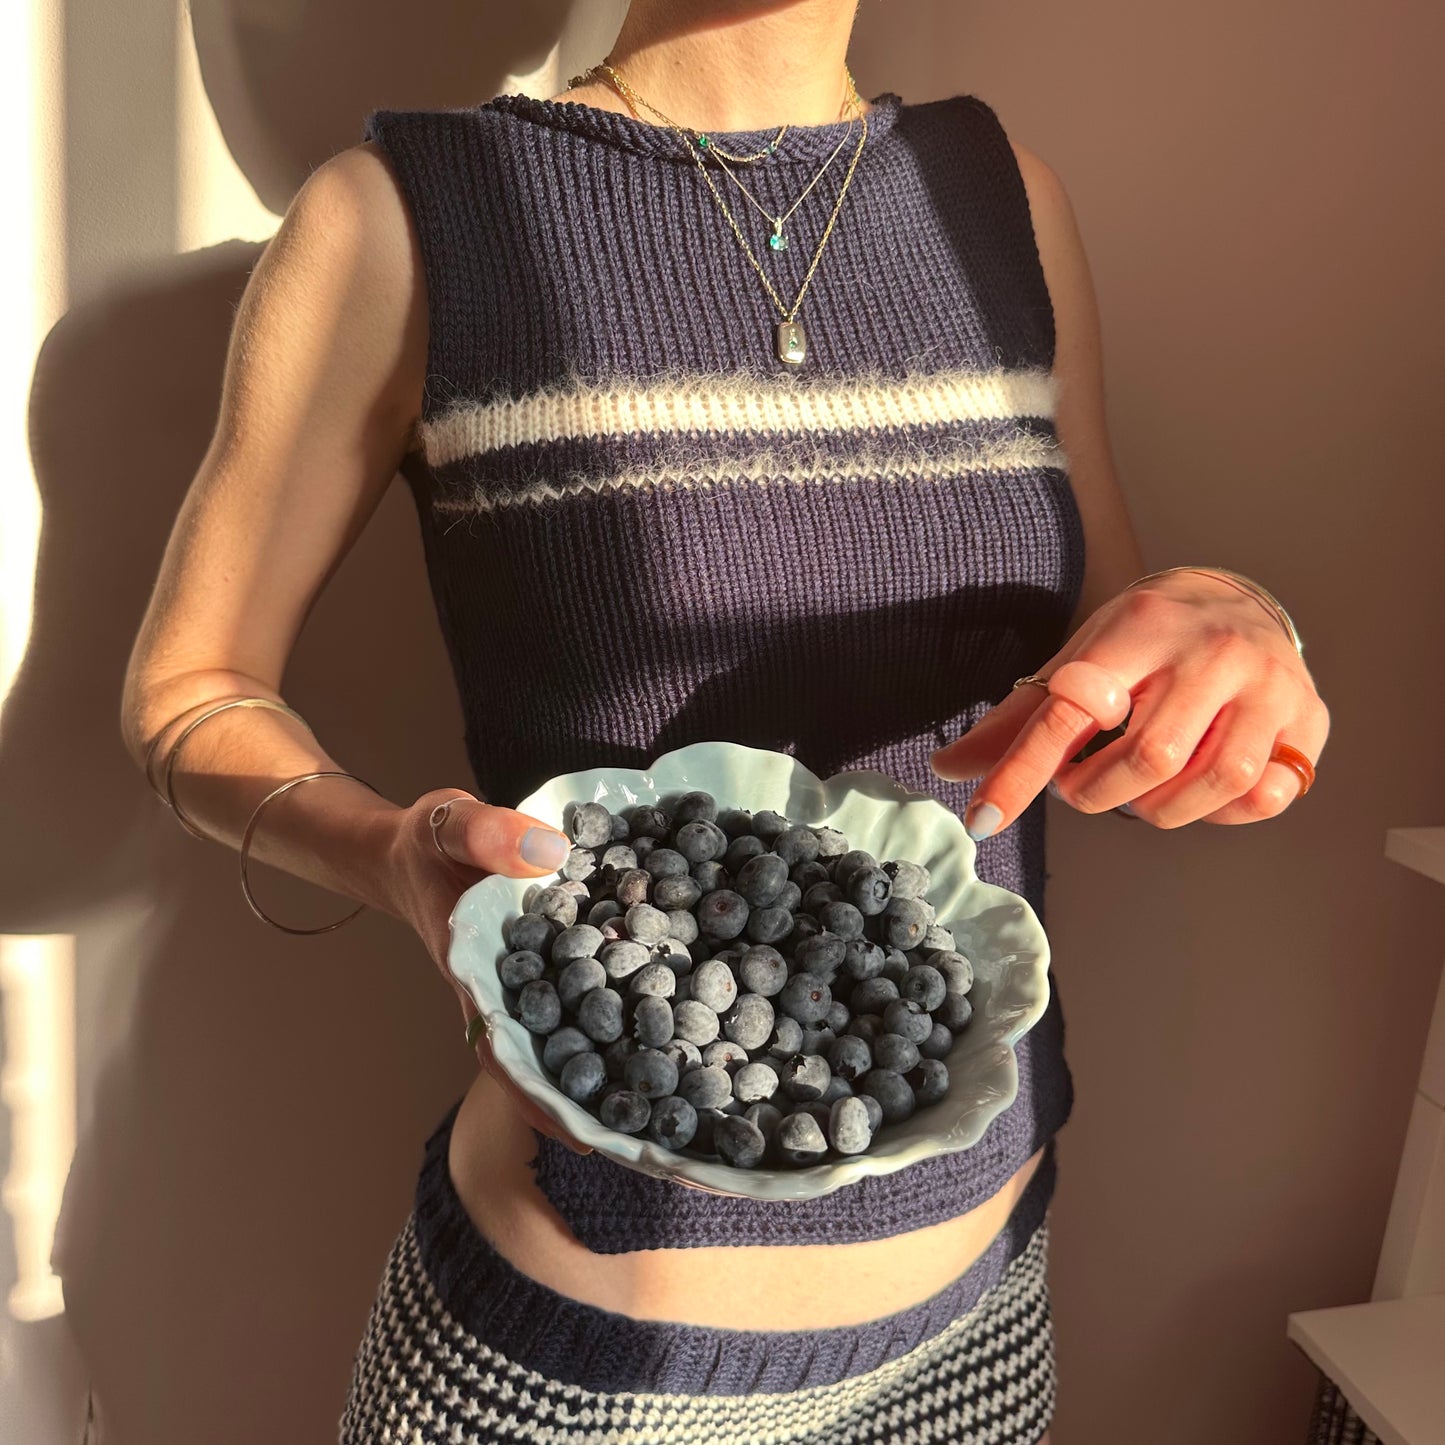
(792, 345)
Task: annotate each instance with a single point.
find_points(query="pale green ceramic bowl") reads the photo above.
(996, 929)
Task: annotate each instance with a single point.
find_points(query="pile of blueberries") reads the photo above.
(734, 985)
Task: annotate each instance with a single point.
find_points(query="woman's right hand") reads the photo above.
(477, 838)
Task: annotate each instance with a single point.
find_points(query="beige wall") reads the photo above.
(1256, 186)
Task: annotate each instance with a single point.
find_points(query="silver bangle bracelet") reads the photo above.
(1265, 598)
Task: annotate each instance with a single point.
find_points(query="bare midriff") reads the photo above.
(776, 1287)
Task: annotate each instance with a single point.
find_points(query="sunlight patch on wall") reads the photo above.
(37, 1092)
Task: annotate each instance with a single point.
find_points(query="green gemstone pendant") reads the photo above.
(791, 343)
(777, 240)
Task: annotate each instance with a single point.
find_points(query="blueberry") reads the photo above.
(760, 879)
(633, 887)
(849, 1131)
(924, 985)
(557, 904)
(850, 1057)
(937, 937)
(604, 911)
(817, 1040)
(664, 862)
(805, 926)
(520, 967)
(938, 1044)
(868, 889)
(713, 983)
(805, 998)
(874, 1108)
(786, 1039)
(896, 963)
(708, 1087)
(581, 940)
(845, 865)
(711, 876)
(955, 1011)
(682, 990)
(831, 843)
(694, 804)
(652, 1022)
(590, 825)
(561, 1045)
(841, 919)
(651, 1073)
(865, 1026)
(583, 1077)
(929, 1080)
(805, 1076)
(580, 976)
(726, 1053)
(646, 924)
(765, 1115)
(910, 880)
(891, 1090)
(656, 979)
(904, 1017)
(576, 888)
(749, 1022)
(894, 1053)
(695, 1022)
(790, 898)
(763, 970)
(722, 913)
(818, 897)
(599, 1015)
(797, 844)
(739, 1141)
(673, 953)
(872, 995)
(676, 893)
(754, 1082)
(673, 1122)
(620, 859)
(682, 925)
(735, 822)
(530, 933)
(821, 955)
(683, 1052)
(801, 1139)
(839, 1015)
(538, 1006)
(862, 958)
(767, 825)
(616, 1054)
(623, 958)
(620, 828)
(645, 821)
(642, 847)
(626, 1110)
(529, 898)
(836, 1089)
(700, 842)
(957, 971)
(907, 921)
(769, 925)
(740, 850)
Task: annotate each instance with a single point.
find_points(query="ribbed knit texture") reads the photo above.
(642, 530)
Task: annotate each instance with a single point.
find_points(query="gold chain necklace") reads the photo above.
(789, 339)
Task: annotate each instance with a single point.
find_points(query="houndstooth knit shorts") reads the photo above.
(461, 1348)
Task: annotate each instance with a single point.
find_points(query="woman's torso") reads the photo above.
(640, 533)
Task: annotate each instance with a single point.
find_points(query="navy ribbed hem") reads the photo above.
(602, 1350)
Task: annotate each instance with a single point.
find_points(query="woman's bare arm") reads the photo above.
(321, 393)
(1112, 558)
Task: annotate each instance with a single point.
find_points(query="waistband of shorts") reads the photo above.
(573, 1342)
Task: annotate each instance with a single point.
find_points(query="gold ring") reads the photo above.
(1034, 678)
(476, 1026)
(436, 818)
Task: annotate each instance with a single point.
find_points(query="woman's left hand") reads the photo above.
(1215, 686)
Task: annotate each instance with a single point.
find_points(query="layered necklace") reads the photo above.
(790, 342)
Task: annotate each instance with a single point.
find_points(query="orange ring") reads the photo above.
(1295, 760)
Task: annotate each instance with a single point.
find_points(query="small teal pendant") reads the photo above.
(777, 240)
(703, 142)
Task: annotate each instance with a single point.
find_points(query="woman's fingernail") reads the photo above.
(1053, 790)
(544, 848)
(1127, 809)
(982, 822)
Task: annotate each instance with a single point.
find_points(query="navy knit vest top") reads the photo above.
(642, 529)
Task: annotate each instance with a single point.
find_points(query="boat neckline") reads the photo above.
(801, 145)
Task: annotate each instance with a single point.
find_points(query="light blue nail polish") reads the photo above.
(1053, 790)
(984, 822)
(544, 848)
(1127, 809)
